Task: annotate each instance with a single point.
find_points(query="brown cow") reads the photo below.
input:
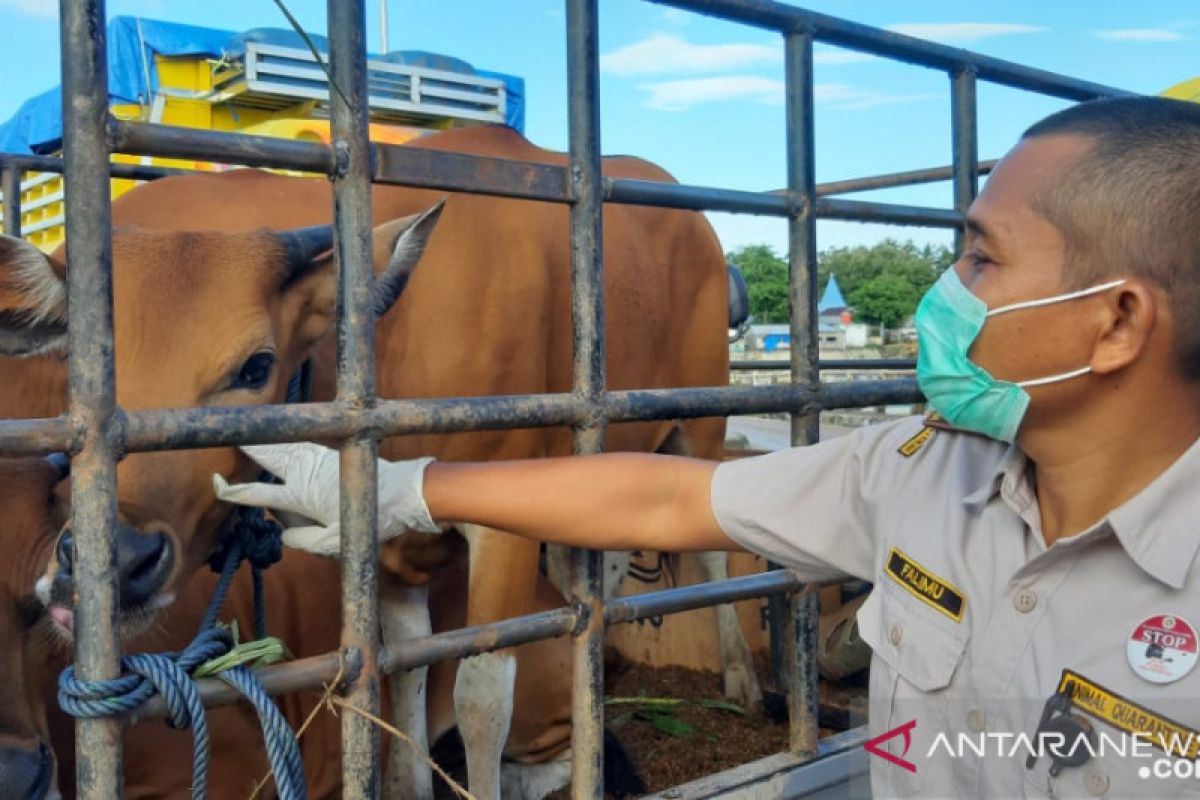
(501, 264)
(157, 759)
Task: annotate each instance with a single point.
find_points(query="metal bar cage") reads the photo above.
(95, 429)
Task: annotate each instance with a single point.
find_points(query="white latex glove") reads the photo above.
(310, 490)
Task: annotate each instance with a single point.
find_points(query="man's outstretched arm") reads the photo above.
(617, 501)
(614, 501)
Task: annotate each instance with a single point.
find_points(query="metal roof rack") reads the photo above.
(274, 77)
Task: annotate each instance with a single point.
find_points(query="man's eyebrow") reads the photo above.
(978, 227)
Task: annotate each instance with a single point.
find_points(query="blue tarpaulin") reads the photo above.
(132, 44)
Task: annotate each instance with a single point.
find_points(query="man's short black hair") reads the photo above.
(1130, 205)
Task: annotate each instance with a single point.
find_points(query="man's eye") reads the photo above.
(255, 373)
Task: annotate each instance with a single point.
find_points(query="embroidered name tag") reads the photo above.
(926, 586)
(910, 448)
(1125, 715)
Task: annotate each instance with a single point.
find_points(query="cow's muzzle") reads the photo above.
(26, 773)
(145, 561)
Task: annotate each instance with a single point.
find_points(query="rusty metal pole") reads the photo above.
(587, 317)
(964, 146)
(92, 382)
(800, 633)
(10, 186)
(356, 389)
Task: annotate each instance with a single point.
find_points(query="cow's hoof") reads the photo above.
(741, 687)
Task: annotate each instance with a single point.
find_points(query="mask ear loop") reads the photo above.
(1055, 378)
(1058, 298)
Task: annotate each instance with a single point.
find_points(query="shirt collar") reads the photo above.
(1157, 527)
(1007, 475)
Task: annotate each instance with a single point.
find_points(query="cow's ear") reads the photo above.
(402, 242)
(33, 300)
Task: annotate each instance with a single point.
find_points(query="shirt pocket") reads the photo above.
(917, 651)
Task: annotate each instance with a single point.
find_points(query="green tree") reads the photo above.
(887, 299)
(766, 277)
(910, 270)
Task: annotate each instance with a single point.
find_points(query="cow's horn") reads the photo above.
(302, 245)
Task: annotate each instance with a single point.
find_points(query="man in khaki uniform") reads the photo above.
(1035, 615)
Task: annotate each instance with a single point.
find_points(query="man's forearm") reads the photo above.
(617, 501)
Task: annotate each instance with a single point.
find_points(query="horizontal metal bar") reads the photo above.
(655, 193)
(892, 180)
(840, 759)
(786, 18)
(136, 172)
(315, 671)
(459, 172)
(32, 437)
(432, 169)
(890, 213)
(831, 364)
(169, 141)
(180, 429)
(700, 595)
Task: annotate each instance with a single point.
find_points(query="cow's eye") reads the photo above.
(255, 373)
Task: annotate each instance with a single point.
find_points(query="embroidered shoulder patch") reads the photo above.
(924, 585)
(1162, 732)
(910, 448)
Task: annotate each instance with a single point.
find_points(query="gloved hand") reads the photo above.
(310, 491)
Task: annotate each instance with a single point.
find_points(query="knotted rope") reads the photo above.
(259, 541)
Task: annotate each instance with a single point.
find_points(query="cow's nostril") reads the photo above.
(64, 551)
(144, 563)
(25, 774)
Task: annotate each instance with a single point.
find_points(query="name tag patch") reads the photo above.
(910, 448)
(924, 585)
(1162, 732)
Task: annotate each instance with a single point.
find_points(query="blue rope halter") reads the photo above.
(259, 541)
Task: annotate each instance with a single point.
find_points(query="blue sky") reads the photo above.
(704, 98)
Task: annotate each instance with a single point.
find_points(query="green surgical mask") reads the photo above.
(949, 319)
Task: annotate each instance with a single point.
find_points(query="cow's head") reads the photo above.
(201, 319)
(28, 526)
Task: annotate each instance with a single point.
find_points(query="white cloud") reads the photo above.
(676, 16)
(833, 55)
(840, 95)
(1140, 35)
(663, 53)
(961, 31)
(32, 8)
(681, 95)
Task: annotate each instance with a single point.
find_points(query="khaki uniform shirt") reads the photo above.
(975, 623)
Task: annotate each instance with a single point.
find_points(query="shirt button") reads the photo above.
(1096, 782)
(896, 634)
(1025, 601)
(976, 720)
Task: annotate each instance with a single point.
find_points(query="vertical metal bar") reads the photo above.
(10, 185)
(800, 635)
(587, 317)
(964, 146)
(356, 387)
(92, 383)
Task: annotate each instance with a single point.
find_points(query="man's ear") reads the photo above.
(1132, 314)
(403, 241)
(33, 300)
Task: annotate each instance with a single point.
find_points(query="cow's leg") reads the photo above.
(503, 575)
(535, 781)
(558, 567)
(737, 664)
(404, 614)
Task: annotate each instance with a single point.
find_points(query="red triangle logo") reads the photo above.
(904, 730)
